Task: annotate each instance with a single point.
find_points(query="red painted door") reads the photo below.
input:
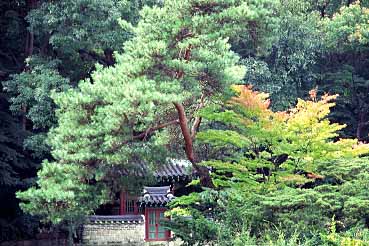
(155, 231)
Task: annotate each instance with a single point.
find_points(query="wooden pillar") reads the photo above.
(122, 208)
(135, 206)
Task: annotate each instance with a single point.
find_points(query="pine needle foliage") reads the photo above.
(179, 53)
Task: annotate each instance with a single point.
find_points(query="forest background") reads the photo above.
(62, 64)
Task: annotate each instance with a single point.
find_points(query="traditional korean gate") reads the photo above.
(155, 231)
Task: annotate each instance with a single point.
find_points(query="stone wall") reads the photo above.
(41, 242)
(122, 230)
(172, 243)
(132, 234)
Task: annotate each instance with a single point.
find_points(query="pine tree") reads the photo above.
(178, 60)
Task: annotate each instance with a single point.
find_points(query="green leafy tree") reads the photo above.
(46, 46)
(17, 166)
(30, 96)
(13, 28)
(348, 29)
(287, 70)
(16, 169)
(67, 40)
(178, 59)
(329, 8)
(283, 169)
(12, 157)
(63, 195)
(81, 33)
(343, 67)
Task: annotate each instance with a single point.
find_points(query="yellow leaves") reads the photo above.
(337, 239)
(305, 114)
(304, 132)
(357, 35)
(311, 136)
(366, 11)
(317, 108)
(328, 98)
(281, 116)
(256, 112)
(177, 211)
(347, 241)
(252, 100)
(351, 148)
(308, 118)
(360, 149)
(194, 182)
(293, 179)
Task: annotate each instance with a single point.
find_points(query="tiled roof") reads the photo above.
(174, 169)
(156, 195)
(120, 219)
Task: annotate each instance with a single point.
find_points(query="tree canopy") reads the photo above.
(173, 65)
(266, 98)
(286, 169)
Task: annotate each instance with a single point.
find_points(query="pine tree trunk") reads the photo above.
(203, 172)
(24, 117)
(70, 234)
(31, 4)
(28, 51)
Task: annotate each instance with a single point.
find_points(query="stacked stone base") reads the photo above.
(118, 231)
(114, 234)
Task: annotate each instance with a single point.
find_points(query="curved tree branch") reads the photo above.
(185, 132)
(205, 179)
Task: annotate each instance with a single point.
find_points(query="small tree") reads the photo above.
(278, 168)
(294, 140)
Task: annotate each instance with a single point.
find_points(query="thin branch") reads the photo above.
(150, 130)
(195, 127)
(143, 135)
(197, 122)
